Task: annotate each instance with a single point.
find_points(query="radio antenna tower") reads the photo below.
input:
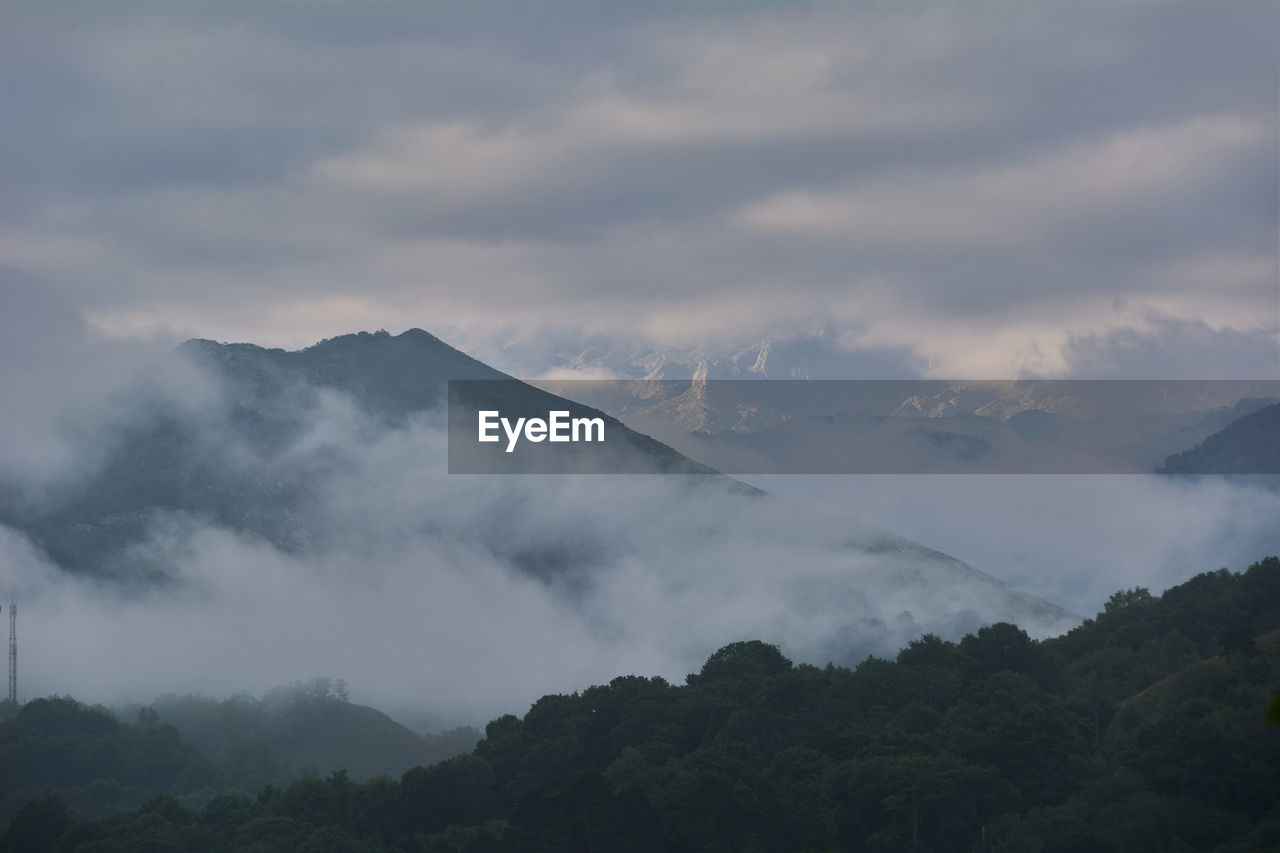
(13, 653)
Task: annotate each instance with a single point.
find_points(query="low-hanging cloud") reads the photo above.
(470, 595)
(474, 595)
(1073, 540)
(53, 371)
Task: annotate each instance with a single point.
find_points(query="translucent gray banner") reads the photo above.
(1184, 427)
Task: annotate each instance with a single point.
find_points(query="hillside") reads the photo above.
(100, 761)
(309, 727)
(1249, 445)
(1141, 729)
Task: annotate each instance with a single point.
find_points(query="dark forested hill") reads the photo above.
(99, 762)
(307, 727)
(1142, 729)
(1248, 445)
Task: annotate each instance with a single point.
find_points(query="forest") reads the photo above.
(1146, 728)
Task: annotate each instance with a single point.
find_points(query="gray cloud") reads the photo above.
(981, 187)
(1165, 347)
(53, 371)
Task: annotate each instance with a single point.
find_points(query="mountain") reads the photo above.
(228, 433)
(924, 426)
(708, 402)
(1250, 444)
(335, 455)
(101, 762)
(305, 728)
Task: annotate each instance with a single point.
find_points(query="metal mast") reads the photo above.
(13, 653)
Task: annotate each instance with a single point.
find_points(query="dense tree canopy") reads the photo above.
(1143, 729)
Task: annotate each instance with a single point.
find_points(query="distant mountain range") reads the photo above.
(925, 426)
(855, 412)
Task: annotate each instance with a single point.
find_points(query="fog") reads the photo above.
(1071, 539)
(415, 597)
(53, 371)
(471, 596)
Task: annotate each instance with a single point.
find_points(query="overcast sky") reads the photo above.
(988, 189)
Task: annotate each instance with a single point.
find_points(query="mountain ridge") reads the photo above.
(170, 456)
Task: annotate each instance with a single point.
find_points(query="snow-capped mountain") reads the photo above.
(819, 351)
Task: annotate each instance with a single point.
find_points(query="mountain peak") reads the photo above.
(414, 335)
(389, 375)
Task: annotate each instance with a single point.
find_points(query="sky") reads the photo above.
(983, 190)
(979, 190)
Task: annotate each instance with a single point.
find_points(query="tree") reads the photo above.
(38, 825)
(1237, 641)
(741, 660)
(1128, 600)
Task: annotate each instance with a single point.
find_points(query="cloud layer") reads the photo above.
(996, 191)
(473, 596)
